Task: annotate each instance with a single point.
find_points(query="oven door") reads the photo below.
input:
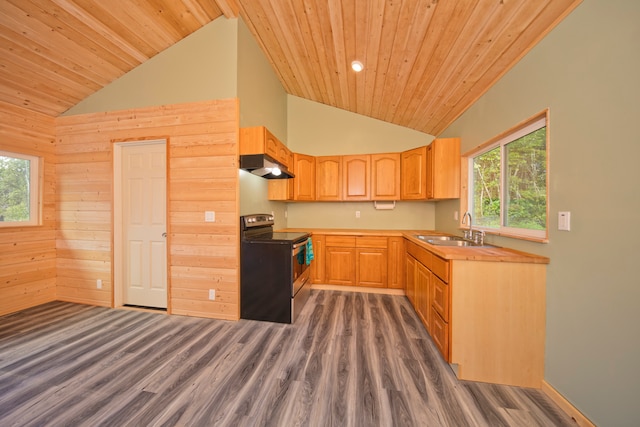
(300, 266)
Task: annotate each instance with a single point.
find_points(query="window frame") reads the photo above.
(523, 128)
(35, 190)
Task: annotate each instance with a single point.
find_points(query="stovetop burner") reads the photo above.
(259, 227)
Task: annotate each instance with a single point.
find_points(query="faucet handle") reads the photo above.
(478, 237)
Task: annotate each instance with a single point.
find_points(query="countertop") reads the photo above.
(469, 253)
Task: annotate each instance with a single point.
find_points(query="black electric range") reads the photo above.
(274, 270)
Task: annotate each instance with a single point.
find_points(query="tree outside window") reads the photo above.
(18, 189)
(508, 182)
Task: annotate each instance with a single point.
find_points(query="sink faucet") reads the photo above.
(468, 234)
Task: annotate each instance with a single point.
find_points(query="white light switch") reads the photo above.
(209, 216)
(564, 221)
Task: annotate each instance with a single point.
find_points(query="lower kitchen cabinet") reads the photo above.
(395, 263)
(486, 318)
(410, 283)
(423, 300)
(356, 261)
(318, 263)
(340, 261)
(371, 267)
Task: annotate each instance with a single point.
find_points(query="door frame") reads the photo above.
(117, 229)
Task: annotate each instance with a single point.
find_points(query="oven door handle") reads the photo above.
(297, 245)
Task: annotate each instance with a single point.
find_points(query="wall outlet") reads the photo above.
(212, 294)
(209, 216)
(455, 215)
(99, 283)
(357, 214)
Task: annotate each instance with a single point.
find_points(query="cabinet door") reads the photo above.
(443, 169)
(385, 176)
(304, 184)
(439, 331)
(414, 174)
(423, 283)
(340, 265)
(318, 264)
(371, 267)
(285, 156)
(356, 178)
(440, 297)
(410, 281)
(271, 144)
(329, 178)
(396, 263)
(280, 189)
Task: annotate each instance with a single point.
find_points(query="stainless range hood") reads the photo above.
(264, 166)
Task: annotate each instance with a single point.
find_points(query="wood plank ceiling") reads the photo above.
(425, 61)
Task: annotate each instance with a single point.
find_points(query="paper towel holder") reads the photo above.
(384, 205)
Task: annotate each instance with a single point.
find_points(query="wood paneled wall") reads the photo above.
(202, 145)
(28, 254)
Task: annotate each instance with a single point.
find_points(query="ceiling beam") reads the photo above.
(230, 8)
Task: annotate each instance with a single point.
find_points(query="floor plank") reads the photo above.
(351, 359)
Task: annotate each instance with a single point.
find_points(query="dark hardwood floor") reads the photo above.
(351, 359)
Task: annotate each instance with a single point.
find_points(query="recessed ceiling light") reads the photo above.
(357, 66)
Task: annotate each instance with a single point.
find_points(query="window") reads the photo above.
(507, 188)
(19, 189)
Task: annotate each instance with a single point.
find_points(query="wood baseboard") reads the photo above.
(386, 291)
(566, 406)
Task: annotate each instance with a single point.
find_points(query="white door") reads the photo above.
(144, 249)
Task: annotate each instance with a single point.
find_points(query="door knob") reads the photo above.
(164, 234)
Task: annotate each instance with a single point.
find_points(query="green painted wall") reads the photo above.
(318, 129)
(263, 102)
(200, 67)
(586, 71)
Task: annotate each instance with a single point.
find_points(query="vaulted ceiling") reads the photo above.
(425, 61)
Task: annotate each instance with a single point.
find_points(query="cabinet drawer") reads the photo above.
(371, 242)
(440, 334)
(440, 297)
(440, 268)
(420, 254)
(341, 241)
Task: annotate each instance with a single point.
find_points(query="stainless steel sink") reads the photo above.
(451, 243)
(426, 238)
(448, 241)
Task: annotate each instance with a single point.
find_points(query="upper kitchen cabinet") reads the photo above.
(432, 172)
(258, 140)
(304, 184)
(414, 174)
(356, 177)
(300, 188)
(385, 176)
(443, 169)
(329, 178)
